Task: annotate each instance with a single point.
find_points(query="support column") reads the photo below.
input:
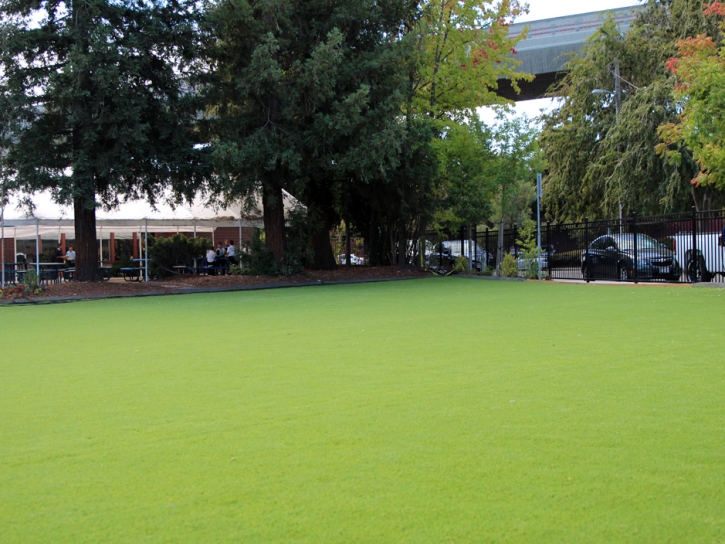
(112, 249)
(37, 248)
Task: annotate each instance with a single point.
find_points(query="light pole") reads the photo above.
(617, 93)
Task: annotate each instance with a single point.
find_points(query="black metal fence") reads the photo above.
(685, 247)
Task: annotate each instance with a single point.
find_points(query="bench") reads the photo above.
(206, 269)
(131, 274)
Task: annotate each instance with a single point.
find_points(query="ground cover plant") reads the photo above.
(432, 410)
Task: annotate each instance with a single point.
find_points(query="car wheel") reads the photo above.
(623, 274)
(697, 271)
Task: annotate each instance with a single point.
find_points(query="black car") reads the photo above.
(613, 257)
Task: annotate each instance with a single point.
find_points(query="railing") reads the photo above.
(685, 247)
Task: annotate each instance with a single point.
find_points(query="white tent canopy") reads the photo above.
(51, 219)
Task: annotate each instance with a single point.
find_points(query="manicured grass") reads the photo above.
(437, 410)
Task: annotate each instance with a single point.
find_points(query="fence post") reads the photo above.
(693, 254)
(636, 256)
(586, 246)
(548, 248)
(487, 253)
(516, 249)
(463, 239)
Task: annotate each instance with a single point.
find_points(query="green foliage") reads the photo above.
(595, 160)
(460, 265)
(31, 281)
(96, 104)
(700, 72)
(509, 266)
(239, 270)
(165, 253)
(462, 48)
(529, 248)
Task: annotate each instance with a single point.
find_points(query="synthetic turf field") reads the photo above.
(437, 410)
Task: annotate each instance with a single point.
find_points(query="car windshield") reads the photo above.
(626, 242)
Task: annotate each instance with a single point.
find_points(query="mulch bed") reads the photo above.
(179, 283)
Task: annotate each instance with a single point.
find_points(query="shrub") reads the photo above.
(509, 266)
(488, 271)
(31, 280)
(239, 270)
(460, 265)
(177, 250)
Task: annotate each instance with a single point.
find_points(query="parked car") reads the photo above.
(354, 260)
(613, 257)
(448, 251)
(705, 262)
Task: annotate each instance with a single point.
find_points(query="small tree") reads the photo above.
(700, 72)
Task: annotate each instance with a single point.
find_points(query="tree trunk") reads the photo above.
(348, 244)
(499, 248)
(86, 242)
(402, 240)
(273, 219)
(324, 259)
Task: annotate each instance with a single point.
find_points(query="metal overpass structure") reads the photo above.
(549, 43)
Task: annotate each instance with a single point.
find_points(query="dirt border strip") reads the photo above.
(193, 291)
(490, 278)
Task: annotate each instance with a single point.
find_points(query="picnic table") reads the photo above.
(49, 272)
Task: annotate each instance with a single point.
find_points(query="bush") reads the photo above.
(509, 266)
(175, 251)
(239, 270)
(460, 265)
(488, 271)
(31, 280)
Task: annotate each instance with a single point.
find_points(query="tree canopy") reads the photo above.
(95, 104)
(597, 159)
(699, 69)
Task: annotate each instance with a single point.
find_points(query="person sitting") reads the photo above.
(219, 249)
(210, 261)
(232, 252)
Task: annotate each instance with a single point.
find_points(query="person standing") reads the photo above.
(59, 258)
(232, 252)
(70, 257)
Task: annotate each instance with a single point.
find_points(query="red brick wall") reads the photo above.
(232, 233)
(9, 250)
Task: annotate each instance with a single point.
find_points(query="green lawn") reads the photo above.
(437, 410)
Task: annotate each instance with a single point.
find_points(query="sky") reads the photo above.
(546, 9)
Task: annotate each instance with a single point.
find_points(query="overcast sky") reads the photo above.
(546, 9)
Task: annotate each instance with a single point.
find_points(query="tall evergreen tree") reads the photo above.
(303, 97)
(99, 104)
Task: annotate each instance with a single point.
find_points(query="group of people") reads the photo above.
(69, 258)
(223, 255)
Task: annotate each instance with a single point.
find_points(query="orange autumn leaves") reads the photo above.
(699, 69)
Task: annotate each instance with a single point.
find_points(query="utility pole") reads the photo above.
(618, 106)
(538, 223)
